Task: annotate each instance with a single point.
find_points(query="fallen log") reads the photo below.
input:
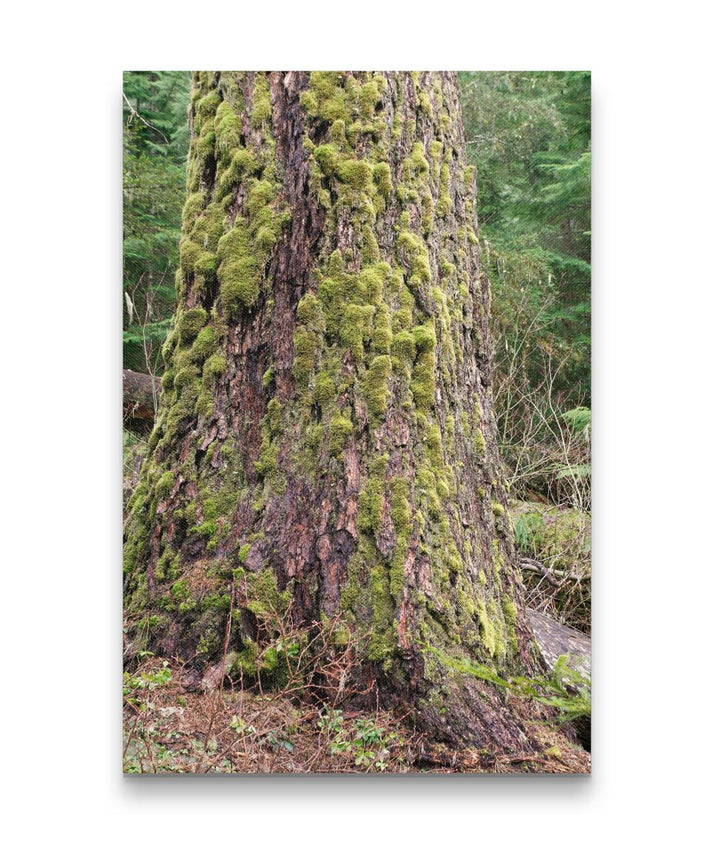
(554, 639)
(140, 395)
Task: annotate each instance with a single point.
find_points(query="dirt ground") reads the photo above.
(170, 730)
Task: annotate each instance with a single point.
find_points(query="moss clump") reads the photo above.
(260, 194)
(382, 330)
(383, 179)
(269, 666)
(186, 377)
(444, 206)
(306, 343)
(403, 346)
(450, 430)
(337, 132)
(207, 105)
(244, 163)
(261, 108)
(425, 338)
(370, 282)
(265, 238)
(422, 384)
(309, 102)
(340, 429)
(205, 265)
(168, 566)
(264, 597)
(204, 345)
(190, 324)
(382, 640)
(479, 445)
(310, 313)
(357, 174)
(488, 630)
(325, 391)
(189, 252)
(205, 143)
(375, 385)
(273, 415)
(209, 227)
(435, 149)
(240, 282)
(228, 129)
(164, 484)
(267, 460)
(417, 164)
(369, 97)
(268, 377)
(242, 255)
(244, 250)
(353, 133)
(191, 209)
(510, 612)
(400, 510)
(214, 366)
(328, 158)
(326, 97)
(369, 515)
(428, 213)
(434, 448)
(423, 377)
(416, 253)
(424, 103)
(356, 328)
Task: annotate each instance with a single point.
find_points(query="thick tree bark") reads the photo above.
(326, 427)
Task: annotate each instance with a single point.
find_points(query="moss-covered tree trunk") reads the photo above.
(326, 428)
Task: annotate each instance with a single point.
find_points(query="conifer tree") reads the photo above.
(325, 442)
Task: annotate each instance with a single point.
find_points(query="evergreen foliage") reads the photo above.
(529, 138)
(155, 143)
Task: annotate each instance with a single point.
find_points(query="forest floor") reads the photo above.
(168, 729)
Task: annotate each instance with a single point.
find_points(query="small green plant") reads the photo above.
(277, 740)
(366, 740)
(566, 689)
(528, 529)
(239, 726)
(145, 680)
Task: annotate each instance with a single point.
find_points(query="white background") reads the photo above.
(655, 165)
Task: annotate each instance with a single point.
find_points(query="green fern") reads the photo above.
(565, 689)
(578, 419)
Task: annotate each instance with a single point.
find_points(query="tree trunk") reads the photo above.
(325, 437)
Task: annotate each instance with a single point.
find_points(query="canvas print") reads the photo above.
(356, 422)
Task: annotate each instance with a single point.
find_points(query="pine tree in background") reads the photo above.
(529, 136)
(155, 140)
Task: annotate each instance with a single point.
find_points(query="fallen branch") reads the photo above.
(528, 564)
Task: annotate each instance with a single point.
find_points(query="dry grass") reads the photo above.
(168, 729)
